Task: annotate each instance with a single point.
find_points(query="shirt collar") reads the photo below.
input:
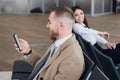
(83, 24)
(61, 41)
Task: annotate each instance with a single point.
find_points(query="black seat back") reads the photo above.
(89, 64)
(97, 74)
(79, 38)
(21, 70)
(108, 65)
(88, 48)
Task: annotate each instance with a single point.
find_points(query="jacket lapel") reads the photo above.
(46, 53)
(57, 53)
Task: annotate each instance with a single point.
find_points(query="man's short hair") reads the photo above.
(63, 11)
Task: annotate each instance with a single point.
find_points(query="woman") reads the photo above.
(93, 36)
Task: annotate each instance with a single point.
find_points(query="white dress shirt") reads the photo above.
(88, 34)
(61, 41)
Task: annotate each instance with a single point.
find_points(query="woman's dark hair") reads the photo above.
(85, 20)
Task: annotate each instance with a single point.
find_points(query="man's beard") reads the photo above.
(53, 35)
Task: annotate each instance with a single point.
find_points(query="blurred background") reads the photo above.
(91, 7)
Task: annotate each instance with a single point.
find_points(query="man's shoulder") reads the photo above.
(73, 43)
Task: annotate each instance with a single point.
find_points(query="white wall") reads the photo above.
(22, 6)
(14, 6)
(7, 6)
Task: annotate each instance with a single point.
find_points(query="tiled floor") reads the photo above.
(32, 28)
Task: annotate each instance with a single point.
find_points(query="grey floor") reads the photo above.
(33, 29)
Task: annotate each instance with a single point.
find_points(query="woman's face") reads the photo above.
(79, 16)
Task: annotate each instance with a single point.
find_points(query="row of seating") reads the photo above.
(101, 61)
(92, 72)
(97, 65)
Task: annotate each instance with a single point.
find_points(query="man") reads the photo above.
(66, 62)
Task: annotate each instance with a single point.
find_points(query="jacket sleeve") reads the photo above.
(32, 58)
(100, 40)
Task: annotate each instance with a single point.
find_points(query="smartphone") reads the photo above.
(15, 36)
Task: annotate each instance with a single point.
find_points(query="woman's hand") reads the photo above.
(111, 45)
(104, 35)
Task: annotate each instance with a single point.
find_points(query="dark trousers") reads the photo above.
(114, 53)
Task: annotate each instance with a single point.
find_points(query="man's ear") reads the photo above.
(61, 24)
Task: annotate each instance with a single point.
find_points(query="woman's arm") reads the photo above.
(79, 28)
(104, 42)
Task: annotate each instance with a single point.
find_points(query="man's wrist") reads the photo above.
(28, 52)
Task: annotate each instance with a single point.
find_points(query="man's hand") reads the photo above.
(25, 46)
(111, 45)
(104, 35)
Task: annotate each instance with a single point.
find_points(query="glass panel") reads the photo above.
(49, 5)
(107, 5)
(85, 5)
(0, 5)
(98, 6)
(68, 3)
(21, 6)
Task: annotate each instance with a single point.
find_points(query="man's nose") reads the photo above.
(47, 26)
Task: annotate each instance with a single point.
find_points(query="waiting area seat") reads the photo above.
(88, 49)
(103, 62)
(108, 65)
(89, 65)
(92, 72)
(21, 70)
(97, 74)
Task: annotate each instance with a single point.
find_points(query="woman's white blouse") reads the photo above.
(88, 34)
